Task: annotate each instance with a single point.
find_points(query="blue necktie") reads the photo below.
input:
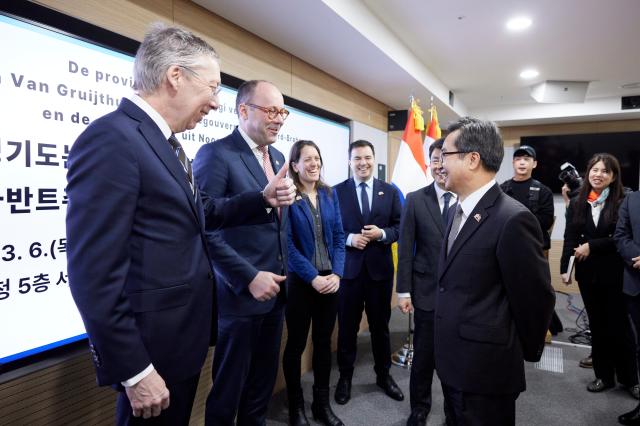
(364, 200)
(445, 209)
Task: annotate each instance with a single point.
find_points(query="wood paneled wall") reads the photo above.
(66, 393)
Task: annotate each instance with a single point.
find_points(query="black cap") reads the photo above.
(525, 150)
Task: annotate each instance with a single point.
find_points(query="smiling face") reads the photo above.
(362, 162)
(523, 166)
(308, 166)
(452, 165)
(435, 165)
(194, 94)
(255, 122)
(600, 177)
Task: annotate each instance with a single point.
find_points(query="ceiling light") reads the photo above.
(528, 74)
(519, 23)
(635, 85)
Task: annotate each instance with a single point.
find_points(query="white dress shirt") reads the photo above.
(369, 190)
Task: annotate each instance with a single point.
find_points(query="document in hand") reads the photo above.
(569, 270)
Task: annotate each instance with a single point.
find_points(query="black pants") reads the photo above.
(612, 348)
(374, 297)
(304, 307)
(181, 396)
(469, 409)
(633, 307)
(423, 361)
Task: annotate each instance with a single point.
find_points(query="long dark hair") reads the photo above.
(294, 157)
(616, 190)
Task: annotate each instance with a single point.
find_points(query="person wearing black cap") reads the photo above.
(530, 192)
(538, 198)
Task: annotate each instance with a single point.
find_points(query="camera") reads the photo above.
(569, 175)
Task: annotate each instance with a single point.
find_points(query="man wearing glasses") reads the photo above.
(137, 257)
(249, 261)
(494, 296)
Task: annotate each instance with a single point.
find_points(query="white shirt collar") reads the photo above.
(252, 145)
(153, 114)
(368, 182)
(472, 200)
(440, 192)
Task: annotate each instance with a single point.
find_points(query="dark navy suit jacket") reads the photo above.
(385, 214)
(302, 236)
(494, 300)
(136, 249)
(228, 167)
(627, 236)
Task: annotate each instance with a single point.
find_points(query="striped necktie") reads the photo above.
(182, 157)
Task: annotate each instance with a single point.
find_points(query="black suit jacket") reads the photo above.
(136, 249)
(421, 234)
(627, 236)
(226, 168)
(604, 264)
(385, 214)
(494, 301)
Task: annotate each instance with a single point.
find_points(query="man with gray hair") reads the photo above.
(494, 298)
(138, 263)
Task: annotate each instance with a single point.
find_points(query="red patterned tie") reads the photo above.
(266, 165)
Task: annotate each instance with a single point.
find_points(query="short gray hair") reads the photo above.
(162, 47)
(482, 137)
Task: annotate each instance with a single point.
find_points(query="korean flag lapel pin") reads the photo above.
(477, 217)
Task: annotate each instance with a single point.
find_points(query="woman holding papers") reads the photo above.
(316, 263)
(591, 222)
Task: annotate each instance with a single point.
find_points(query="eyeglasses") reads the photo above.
(215, 90)
(444, 154)
(272, 112)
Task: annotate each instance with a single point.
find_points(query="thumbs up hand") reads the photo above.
(280, 191)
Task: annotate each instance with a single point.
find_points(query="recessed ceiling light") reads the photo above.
(528, 74)
(635, 85)
(518, 23)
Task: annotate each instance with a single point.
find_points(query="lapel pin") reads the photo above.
(477, 217)
(380, 193)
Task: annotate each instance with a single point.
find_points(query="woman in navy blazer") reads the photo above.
(316, 263)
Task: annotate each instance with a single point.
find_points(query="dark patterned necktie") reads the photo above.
(364, 200)
(182, 157)
(445, 209)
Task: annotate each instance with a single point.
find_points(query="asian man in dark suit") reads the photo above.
(494, 300)
(249, 261)
(424, 219)
(627, 236)
(137, 256)
(371, 211)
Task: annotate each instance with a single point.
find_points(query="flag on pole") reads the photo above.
(410, 170)
(433, 133)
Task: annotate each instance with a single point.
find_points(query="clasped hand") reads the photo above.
(367, 234)
(327, 284)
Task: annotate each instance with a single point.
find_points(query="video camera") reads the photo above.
(569, 175)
